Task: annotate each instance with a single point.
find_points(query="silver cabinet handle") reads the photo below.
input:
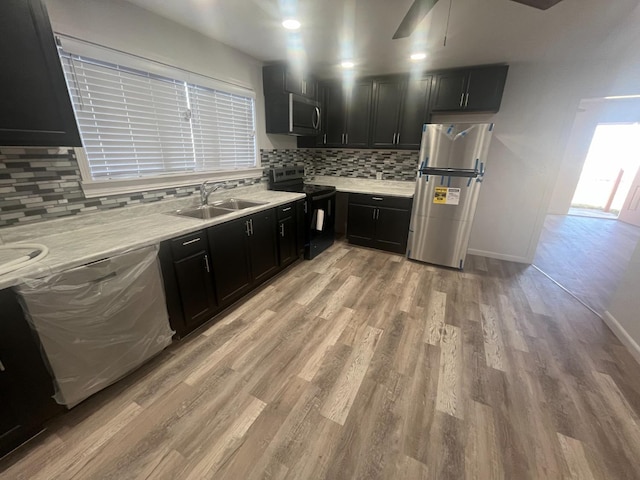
(246, 224)
(393, 142)
(466, 100)
(461, 99)
(324, 139)
(2, 369)
(374, 213)
(377, 198)
(398, 138)
(191, 241)
(206, 263)
(282, 229)
(342, 139)
(346, 138)
(286, 209)
(251, 225)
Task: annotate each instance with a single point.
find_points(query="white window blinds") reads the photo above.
(138, 124)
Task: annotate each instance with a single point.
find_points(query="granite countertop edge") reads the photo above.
(396, 188)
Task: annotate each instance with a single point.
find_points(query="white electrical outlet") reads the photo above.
(378, 175)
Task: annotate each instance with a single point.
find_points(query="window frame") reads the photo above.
(112, 186)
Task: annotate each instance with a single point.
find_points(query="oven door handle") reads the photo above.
(322, 197)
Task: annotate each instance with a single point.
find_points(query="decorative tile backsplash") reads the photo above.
(42, 183)
(38, 184)
(393, 164)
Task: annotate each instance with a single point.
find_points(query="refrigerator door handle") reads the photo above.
(450, 172)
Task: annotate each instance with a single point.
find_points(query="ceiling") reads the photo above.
(480, 31)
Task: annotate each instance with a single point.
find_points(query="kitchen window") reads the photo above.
(157, 126)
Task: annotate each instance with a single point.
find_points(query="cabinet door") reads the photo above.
(484, 93)
(414, 112)
(301, 226)
(195, 284)
(449, 91)
(358, 115)
(287, 241)
(334, 127)
(263, 247)
(36, 109)
(293, 81)
(386, 112)
(392, 229)
(361, 222)
(228, 243)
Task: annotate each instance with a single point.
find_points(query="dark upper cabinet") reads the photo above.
(36, 108)
(476, 89)
(26, 387)
(400, 108)
(279, 78)
(414, 112)
(387, 99)
(358, 114)
(347, 114)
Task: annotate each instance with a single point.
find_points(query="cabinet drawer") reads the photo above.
(186, 245)
(381, 201)
(285, 211)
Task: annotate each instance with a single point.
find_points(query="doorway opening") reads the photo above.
(609, 170)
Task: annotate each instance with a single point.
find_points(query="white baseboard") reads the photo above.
(498, 256)
(622, 335)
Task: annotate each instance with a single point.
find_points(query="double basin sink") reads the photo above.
(217, 209)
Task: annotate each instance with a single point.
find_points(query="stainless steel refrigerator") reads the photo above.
(451, 168)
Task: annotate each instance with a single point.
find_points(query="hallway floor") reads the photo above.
(587, 256)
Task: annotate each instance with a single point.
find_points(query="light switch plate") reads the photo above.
(378, 175)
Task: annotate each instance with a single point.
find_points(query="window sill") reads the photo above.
(93, 189)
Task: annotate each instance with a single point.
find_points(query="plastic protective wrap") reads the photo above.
(98, 322)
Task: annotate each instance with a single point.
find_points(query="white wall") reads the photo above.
(128, 28)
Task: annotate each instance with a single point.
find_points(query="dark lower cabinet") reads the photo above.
(287, 234)
(26, 387)
(206, 271)
(244, 254)
(231, 269)
(263, 249)
(379, 221)
(189, 287)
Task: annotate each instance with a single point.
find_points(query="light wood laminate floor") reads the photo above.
(588, 256)
(363, 365)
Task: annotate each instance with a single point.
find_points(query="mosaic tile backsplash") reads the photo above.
(394, 165)
(38, 184)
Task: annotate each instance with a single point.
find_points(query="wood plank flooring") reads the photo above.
(363, 365)
(587, 256)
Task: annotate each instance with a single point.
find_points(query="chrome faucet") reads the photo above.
(205, 192)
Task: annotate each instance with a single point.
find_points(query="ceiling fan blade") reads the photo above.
(541, 4)
(414, 16)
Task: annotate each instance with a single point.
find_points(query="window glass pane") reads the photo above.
(138, 124)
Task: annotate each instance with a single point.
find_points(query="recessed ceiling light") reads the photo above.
(418, 56)
(291, 24)
(347, 64)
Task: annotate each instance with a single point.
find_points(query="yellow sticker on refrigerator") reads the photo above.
(446, 196)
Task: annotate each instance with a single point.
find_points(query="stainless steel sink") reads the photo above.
(217, 209)
(204, 213)
(236, 204)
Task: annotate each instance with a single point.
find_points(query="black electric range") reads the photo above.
(320, 207)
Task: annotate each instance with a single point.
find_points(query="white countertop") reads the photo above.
(86, 238)
(364, 185)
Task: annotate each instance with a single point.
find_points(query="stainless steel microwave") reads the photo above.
(304, 116)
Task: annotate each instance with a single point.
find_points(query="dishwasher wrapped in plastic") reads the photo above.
(98, 322)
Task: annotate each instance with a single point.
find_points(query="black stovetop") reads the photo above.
(291, 179)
